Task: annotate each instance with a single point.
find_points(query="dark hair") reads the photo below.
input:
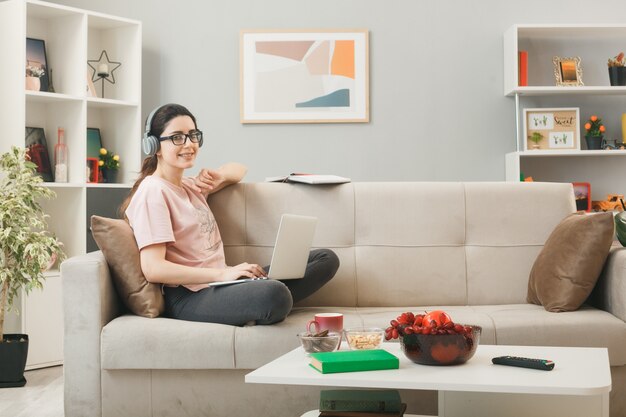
(162, 116)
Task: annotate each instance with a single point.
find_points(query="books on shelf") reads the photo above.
(522, 70)
(360, 400)
(309, 179)
(399, 413)
(353, 361)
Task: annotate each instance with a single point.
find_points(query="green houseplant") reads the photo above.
(26, 250)
(617, 70)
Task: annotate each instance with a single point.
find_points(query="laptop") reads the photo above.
(291, 249)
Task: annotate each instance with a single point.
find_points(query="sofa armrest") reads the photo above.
(610, 291)
(89, 303)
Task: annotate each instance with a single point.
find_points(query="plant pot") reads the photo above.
(33, 83)
(617, 76)
(13, 354)
(109, 175)
(594, 142)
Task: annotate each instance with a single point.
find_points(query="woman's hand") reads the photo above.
(207, 181)
(245, 269)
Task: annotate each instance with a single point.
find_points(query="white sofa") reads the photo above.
(465, 247)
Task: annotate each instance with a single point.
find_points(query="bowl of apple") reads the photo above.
(433, 338)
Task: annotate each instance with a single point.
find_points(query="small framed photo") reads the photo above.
(568, 71)
(93, 171)
(36, 58)
(552, 129)
(90, 90)
(582, 194)
(37, 151)
(304, 76)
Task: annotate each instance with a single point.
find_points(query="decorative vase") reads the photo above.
(109, 175)
(13, 354)
(617, 76)
(594, 142)
(33, 83)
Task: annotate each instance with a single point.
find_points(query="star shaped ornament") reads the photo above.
(103, 68)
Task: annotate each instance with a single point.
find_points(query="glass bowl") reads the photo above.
(312, 344)
(364, 338)
(441, 349)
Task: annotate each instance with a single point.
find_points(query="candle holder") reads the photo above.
(103, 69)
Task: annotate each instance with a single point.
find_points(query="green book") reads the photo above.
(387, 401)
(353, 360)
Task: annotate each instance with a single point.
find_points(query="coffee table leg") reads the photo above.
(458, 404)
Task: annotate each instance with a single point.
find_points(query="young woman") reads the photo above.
(179, 240)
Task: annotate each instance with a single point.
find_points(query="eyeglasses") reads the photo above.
(179, 139)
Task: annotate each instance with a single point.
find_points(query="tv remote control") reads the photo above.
(542, 364)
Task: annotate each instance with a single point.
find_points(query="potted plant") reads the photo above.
(536, 137)
(617, 70)
(33, 75)
(109, 165)
(26, 251)
(595, 130)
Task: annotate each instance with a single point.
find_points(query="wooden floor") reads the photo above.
(42, 396)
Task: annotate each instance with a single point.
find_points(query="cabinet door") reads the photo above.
(43, 323)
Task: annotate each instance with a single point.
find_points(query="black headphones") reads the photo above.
(150, 144)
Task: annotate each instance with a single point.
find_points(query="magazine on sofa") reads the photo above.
(309, 179)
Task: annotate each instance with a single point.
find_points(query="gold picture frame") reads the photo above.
(567, 71)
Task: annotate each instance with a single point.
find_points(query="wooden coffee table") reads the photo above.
(578, 386)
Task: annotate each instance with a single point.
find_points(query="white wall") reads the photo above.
(436, 95)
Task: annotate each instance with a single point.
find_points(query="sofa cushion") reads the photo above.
(568, 266)
(116, 240)
(132, 342)
(532, 325)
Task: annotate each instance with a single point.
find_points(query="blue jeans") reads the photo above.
(263, 301)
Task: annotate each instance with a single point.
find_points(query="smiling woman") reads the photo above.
(179, 242)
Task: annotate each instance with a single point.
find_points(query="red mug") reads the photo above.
(326, 321)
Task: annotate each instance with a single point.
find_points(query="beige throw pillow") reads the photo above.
(571, 261)
(116, 240)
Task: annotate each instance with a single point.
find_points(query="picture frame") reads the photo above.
(94, 142)
(304, 76)
(36, 57)
(92, 173)
(37, 150)
(90, 90)
(568, 71)
(582, 194)
(551, 129)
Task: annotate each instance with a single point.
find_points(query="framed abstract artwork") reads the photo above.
(304, 76)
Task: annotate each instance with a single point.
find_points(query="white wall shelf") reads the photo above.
(582, 90)
(72, 37)
(594, 44)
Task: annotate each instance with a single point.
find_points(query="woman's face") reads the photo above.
(178, 156)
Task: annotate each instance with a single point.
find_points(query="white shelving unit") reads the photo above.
(72, 36)
(594, 44)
